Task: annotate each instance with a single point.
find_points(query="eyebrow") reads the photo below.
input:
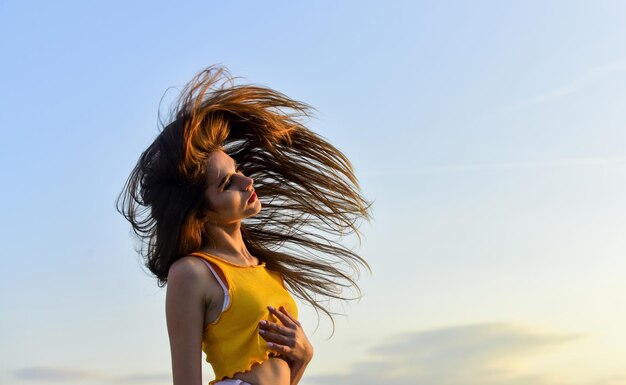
(219, 186)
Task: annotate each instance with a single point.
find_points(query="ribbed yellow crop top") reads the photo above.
(232, 343)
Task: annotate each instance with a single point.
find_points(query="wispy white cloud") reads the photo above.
(476, 354)
(56, 374)
(504, 166)
(148, 378)
(585, 80)
(50, 374)
(482, 354)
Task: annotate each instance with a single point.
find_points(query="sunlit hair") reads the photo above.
(307, 187)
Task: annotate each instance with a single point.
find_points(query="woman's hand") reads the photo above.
(288, 338)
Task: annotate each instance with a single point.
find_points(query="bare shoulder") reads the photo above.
(186, 269)
(190, 276)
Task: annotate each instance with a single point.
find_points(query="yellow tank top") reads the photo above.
(232, 343)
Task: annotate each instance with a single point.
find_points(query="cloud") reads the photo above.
(475, 354)
(587, 79)
(505, 166)
(149, 378)
(482, 354)
(56, 374)
(49, 374)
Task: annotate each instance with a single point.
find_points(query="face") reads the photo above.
(229, 191)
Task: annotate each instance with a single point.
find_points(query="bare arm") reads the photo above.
(184, 309)
(297, 370)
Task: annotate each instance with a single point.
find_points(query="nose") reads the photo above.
(249, 183)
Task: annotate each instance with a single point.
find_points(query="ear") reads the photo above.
(208, 220)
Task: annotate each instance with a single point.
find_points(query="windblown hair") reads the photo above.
(307, 187)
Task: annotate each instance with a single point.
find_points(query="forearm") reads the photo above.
(297, 370)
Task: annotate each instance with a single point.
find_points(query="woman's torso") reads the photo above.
(274, 370)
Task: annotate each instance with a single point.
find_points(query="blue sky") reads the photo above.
(489, 134)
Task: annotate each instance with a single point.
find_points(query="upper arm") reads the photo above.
(184, 310)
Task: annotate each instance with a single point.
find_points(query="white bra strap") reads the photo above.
(219, 280)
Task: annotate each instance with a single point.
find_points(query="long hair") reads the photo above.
(307, 187)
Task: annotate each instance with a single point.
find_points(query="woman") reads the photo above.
(233, 200)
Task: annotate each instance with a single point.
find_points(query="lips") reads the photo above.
(252, 197)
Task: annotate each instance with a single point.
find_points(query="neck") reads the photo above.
(226, 240)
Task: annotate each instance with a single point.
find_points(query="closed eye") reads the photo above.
(227, 185)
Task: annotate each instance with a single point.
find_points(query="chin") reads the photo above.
(255, 211)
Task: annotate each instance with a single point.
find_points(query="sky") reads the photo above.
(489, 135)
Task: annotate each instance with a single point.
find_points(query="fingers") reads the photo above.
(277, 338)
(286, 350)
(280, 329)
(281, 338)
(286, 336)
(284, 318)
(295, 321)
